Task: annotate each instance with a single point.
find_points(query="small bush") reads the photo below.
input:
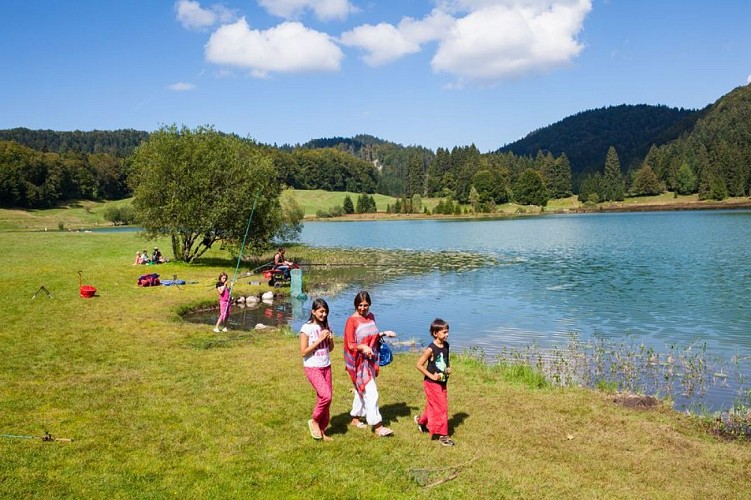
(120, 216)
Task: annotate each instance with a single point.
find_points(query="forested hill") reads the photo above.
(717, 150)
(118, 143)
(586, 136)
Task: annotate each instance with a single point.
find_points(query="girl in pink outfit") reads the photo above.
(222, 288)
(316, 342)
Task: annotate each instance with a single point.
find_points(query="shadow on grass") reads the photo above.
(393, 411)
(456, 420)
(340, 424)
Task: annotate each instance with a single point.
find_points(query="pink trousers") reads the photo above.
(320, 379)
(436, 413)
(223, 310)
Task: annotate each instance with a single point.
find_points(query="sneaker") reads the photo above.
(446, 441)
(420, 427)
(224, 329)
(216, 330)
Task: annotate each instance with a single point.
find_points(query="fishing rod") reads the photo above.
(47, 437)
(242, 248)
(344, 265)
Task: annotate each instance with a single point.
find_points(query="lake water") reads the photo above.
(671, 288)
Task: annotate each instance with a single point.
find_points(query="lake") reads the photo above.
(668, 289)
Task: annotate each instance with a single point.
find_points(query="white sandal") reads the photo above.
(383, 432)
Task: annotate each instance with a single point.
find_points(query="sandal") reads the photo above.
(420, 427)
(360, 425)
(446, 441)
(383, 431)
(313, 431)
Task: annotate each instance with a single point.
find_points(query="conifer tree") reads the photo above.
(646, 182)
(613, 186)
(348, 206)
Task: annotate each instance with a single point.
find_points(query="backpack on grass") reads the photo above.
(149, 280)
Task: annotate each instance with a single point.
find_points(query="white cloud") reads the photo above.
(194, 17)
(287, 48)
(483, 41)
(385, 43)
(501, 41)
(323, 9)
(748, 80)
(181, 86)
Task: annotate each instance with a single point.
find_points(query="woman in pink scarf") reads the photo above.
(361, 343)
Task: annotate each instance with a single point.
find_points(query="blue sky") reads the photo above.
(438, 73)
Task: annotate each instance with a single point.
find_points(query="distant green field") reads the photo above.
(78, 215)
(314, 200)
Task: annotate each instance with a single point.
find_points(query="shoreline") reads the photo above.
(525, 211)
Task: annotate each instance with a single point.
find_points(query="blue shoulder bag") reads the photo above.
(385, 356)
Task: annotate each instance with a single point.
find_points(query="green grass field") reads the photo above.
(162, 408)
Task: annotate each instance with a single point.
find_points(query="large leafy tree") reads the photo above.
(199, 186)
(530, 189)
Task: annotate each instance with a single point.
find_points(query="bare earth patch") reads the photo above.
(636, 401)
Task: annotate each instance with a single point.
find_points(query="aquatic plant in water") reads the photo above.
(681, 374)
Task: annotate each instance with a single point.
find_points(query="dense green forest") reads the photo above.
(586, 136)
(35, 179)
(117, 143)
(716, 154)
(605, 154)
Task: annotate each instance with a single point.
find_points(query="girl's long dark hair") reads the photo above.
(318, 304)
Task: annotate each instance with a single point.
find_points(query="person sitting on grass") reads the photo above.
(157, 257)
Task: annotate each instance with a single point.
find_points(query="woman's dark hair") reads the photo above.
(362, 297)
(437, 325)
(222, 274)
(316, 305)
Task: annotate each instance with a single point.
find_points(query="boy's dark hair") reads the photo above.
(318, 304)
(437, 325)
(362, 297)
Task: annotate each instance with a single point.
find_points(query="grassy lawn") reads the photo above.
(159, 408)
(314, 200)
(79, 215)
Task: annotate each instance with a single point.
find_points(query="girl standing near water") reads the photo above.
(222, 288)
(316, 342)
